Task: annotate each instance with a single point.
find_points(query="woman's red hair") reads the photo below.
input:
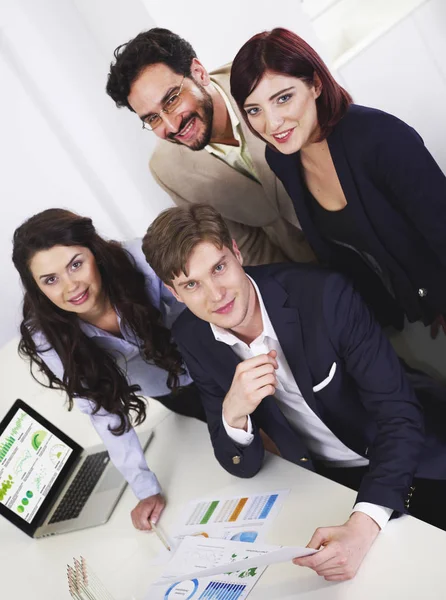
(282, 51)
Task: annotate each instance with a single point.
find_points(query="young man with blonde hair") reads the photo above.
(293, 350)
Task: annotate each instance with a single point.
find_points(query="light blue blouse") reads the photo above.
(125, 450)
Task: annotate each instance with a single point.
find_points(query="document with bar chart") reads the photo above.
(238, 518)
(194, 554)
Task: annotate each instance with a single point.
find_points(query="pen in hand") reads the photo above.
(161, 537)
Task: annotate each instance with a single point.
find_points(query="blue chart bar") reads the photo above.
(217, 590)
(268, 506)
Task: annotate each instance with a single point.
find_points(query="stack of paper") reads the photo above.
(215, 557)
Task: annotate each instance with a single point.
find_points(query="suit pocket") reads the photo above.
(320, 386)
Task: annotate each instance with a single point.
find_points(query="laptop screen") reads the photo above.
(35, 459)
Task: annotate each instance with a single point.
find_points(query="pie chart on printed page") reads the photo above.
(183, 590)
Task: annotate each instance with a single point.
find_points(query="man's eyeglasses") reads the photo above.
(171, 104)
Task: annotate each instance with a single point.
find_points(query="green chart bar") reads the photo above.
(209, 512)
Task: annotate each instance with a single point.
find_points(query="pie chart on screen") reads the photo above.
(37, 439)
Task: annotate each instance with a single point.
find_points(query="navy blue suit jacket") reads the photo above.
(398, 195)
(369, 404)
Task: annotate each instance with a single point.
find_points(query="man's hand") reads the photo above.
(344, 548)
(148, 510)
(254, 379)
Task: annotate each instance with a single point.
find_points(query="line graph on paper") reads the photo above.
(203, 556)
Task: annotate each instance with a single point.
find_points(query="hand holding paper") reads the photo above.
(344, 548)
(213, 552)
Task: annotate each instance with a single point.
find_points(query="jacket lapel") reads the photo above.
(222, 354)
(257, 210)
(256, 145)
(286, 322)
(290, 172)
(363, 217)
(345, 177)
(267, 415)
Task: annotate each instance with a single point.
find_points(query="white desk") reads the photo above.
(407, 560)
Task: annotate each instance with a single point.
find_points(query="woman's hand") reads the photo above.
(147, 510)
(435, 327)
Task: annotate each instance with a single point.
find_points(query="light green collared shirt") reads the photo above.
(237, 157)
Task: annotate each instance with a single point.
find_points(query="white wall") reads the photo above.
(37, 172)
(218, 30)
(404, 73)
(63, 142)
(344, 24)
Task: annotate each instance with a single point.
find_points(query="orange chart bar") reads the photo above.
(238, 510)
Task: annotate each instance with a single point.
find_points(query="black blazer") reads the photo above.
(369, 404)
(398, 195)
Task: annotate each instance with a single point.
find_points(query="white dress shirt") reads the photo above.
(125, 450)
(321, 442)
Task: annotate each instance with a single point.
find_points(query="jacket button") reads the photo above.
(422, 292)
(304, 459)
(236, 460)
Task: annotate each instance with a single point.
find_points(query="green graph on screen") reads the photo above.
(5, 486)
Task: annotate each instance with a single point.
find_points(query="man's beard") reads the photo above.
(207, 108)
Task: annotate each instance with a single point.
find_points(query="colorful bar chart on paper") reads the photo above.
(239, 518)
(230, 510)
(209, 512)
(238, 509)
(218, 590)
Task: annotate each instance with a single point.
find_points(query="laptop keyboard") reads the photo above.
(81, 487)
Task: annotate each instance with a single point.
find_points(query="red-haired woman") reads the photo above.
(369, 196)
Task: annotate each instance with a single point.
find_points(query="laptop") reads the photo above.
(48, 483)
